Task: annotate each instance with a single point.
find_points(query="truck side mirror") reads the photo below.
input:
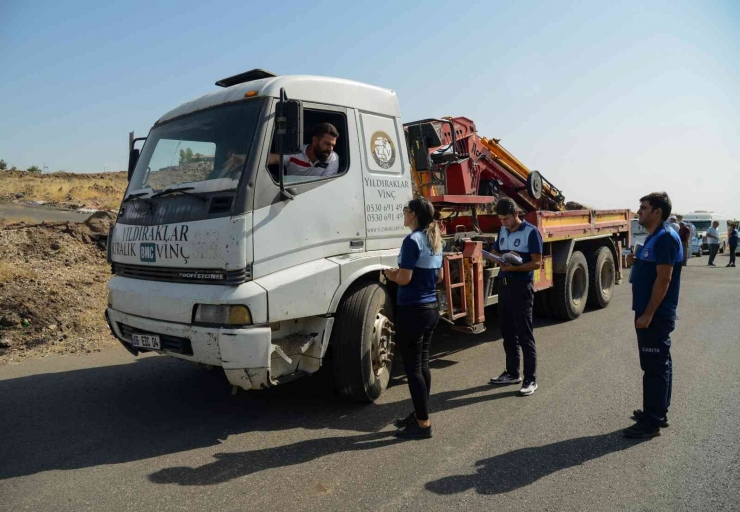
(288, 134)
(293, 138)
(133, 157)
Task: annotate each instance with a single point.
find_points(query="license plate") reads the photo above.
(146, 341)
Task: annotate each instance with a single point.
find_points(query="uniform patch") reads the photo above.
(517, 242)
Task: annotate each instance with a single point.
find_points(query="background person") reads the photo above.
(713, 241)
(420, 269)
(685, 234)
(656, 279)
(673, 220)
(732, 238)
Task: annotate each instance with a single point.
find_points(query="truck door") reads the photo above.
(326, 217)
(385, 179)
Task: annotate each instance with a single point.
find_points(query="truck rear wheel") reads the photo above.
(601, 277)
(362, 342)
(570, 290)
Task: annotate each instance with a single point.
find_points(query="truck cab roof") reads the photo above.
(318, 89)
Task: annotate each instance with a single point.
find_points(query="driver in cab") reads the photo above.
(315, 159)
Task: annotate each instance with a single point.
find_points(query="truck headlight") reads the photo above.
(222, 314)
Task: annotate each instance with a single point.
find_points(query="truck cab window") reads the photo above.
(324, 152)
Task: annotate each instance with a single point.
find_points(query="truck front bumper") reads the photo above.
(244, 354)
(252, 357)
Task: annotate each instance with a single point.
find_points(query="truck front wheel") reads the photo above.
(570, 290)
(601, 277)
(362, 342)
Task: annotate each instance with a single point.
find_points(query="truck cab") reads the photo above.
(220, 260)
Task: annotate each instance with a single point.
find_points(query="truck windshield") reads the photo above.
(207, 150)
(701, 225)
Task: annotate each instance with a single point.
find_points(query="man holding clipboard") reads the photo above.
(518, 251)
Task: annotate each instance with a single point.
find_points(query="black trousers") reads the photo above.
(515, 302)
(713, 248)
(733, 248)
(414, 328)
(654, 344)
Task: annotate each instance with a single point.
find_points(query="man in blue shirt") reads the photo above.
(516, 294)
(656, 279)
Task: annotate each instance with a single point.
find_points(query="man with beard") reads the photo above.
(656, 279)
(316, 159)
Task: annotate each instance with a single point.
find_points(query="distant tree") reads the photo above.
(34, 170)
(186, 155)
(3, 165)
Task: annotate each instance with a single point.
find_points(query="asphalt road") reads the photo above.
(39, 213)
(111, 432)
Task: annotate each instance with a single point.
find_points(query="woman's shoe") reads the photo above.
(414, 431)
(404, 422)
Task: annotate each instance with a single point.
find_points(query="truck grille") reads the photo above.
(169, 343)
(183, 275)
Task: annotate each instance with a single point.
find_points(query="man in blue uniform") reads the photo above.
(655, 278)
(516, 295)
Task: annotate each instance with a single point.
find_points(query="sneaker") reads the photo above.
(505, 379)
(711, 265)
(642, 430)
(528, 388)
(414, 431)
(404, 422)
(638, 416)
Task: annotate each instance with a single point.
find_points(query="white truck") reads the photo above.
(220, 258)
(702, 220)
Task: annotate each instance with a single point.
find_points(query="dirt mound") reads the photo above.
(52, 288)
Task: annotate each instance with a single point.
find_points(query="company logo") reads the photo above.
(148, 253)
(384, 152)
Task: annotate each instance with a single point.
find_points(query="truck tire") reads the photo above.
(362, 342)
(570, 290)
(542, 304)
(601, 277)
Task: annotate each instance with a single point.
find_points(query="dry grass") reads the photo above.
(103, 190)
(10, 272)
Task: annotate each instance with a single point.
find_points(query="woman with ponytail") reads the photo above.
(420, 269)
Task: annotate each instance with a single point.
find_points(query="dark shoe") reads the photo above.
(638, 416)
(711, 265)
(642, 430)
(404, 422)
(505, 379)
(414, 431)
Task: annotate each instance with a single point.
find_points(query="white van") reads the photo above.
(638, 234)
(702, 220)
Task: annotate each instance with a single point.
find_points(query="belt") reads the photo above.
(507, 282)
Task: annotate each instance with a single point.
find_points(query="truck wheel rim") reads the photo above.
(381, 349)
(607, 277)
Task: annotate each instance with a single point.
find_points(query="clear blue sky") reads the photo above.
(609, 100)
